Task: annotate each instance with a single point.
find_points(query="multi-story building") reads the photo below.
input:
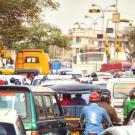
(87, 39)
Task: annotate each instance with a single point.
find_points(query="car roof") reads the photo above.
(75, 88)
(121, 80)
(39, 76)
(27, 88)
(8, 115)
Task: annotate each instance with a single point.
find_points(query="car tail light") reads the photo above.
(36, 132)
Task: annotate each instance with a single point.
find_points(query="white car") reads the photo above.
(10, 123)
(120, 130)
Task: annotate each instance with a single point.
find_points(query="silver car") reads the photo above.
(10, 123)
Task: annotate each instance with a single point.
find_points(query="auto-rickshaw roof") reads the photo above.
(75, 88)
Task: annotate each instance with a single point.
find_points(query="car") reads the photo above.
(72, 111)
(8, 69)
(120, 130)
(47, 80)
(37, 80)
(104, 75)
(10, 123)
(35, 106)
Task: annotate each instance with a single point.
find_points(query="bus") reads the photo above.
(89, 62)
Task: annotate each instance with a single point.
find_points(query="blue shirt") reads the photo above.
(93, 115)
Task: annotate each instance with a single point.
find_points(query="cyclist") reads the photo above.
(93, 115)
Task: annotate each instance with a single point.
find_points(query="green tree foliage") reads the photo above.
(15, 13)
(43, 36)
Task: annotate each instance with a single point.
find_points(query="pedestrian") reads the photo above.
(105, 102)
(93, 115)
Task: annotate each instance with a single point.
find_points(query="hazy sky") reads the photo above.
(72, 11)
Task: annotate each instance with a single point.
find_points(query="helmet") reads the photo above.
(2, 82)
(12, 80)
(132, 94)
(94, 97)
(106, 97)
(93, 74)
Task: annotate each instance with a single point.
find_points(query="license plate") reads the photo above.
(75, 133)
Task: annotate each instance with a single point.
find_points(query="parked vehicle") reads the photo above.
(35, 105)
(71, 109)
(10, 123)
(32, 59)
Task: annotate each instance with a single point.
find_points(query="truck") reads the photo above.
(89, 62)
(32, 59)
(121, 66)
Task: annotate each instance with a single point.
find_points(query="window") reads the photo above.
(7, 129)
(55, 106)
(16, 100)
(121, 90)
(39, 106)
(78, 39)
(31, 60)
(48, 106)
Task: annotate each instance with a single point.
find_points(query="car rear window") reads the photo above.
(7, 129)
(14, 100)
(121, 90)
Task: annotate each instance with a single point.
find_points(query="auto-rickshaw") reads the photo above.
(71, 110)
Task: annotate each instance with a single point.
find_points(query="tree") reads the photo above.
(15, 14)
(130, 45)
(43, 36)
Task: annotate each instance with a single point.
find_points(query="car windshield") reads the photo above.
(7, 129)
(14, 100)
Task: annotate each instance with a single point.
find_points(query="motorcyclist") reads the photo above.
(105, 102)
(93, 115)
(94, 76)
(12, 81)
(129, 104)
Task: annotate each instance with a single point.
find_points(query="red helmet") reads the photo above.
(94, 97)
(2, 82)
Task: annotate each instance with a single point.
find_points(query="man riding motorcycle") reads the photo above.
(105, 102)
(93, 115)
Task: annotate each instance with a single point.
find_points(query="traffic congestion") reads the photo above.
(53, 103)
(67, 67)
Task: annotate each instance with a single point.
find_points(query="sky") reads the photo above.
(72, 11)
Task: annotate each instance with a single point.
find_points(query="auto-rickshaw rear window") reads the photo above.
(14, 100)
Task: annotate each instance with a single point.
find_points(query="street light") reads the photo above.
(103, 12)
(94, 21)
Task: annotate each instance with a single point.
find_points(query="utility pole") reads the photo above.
(116, 30)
